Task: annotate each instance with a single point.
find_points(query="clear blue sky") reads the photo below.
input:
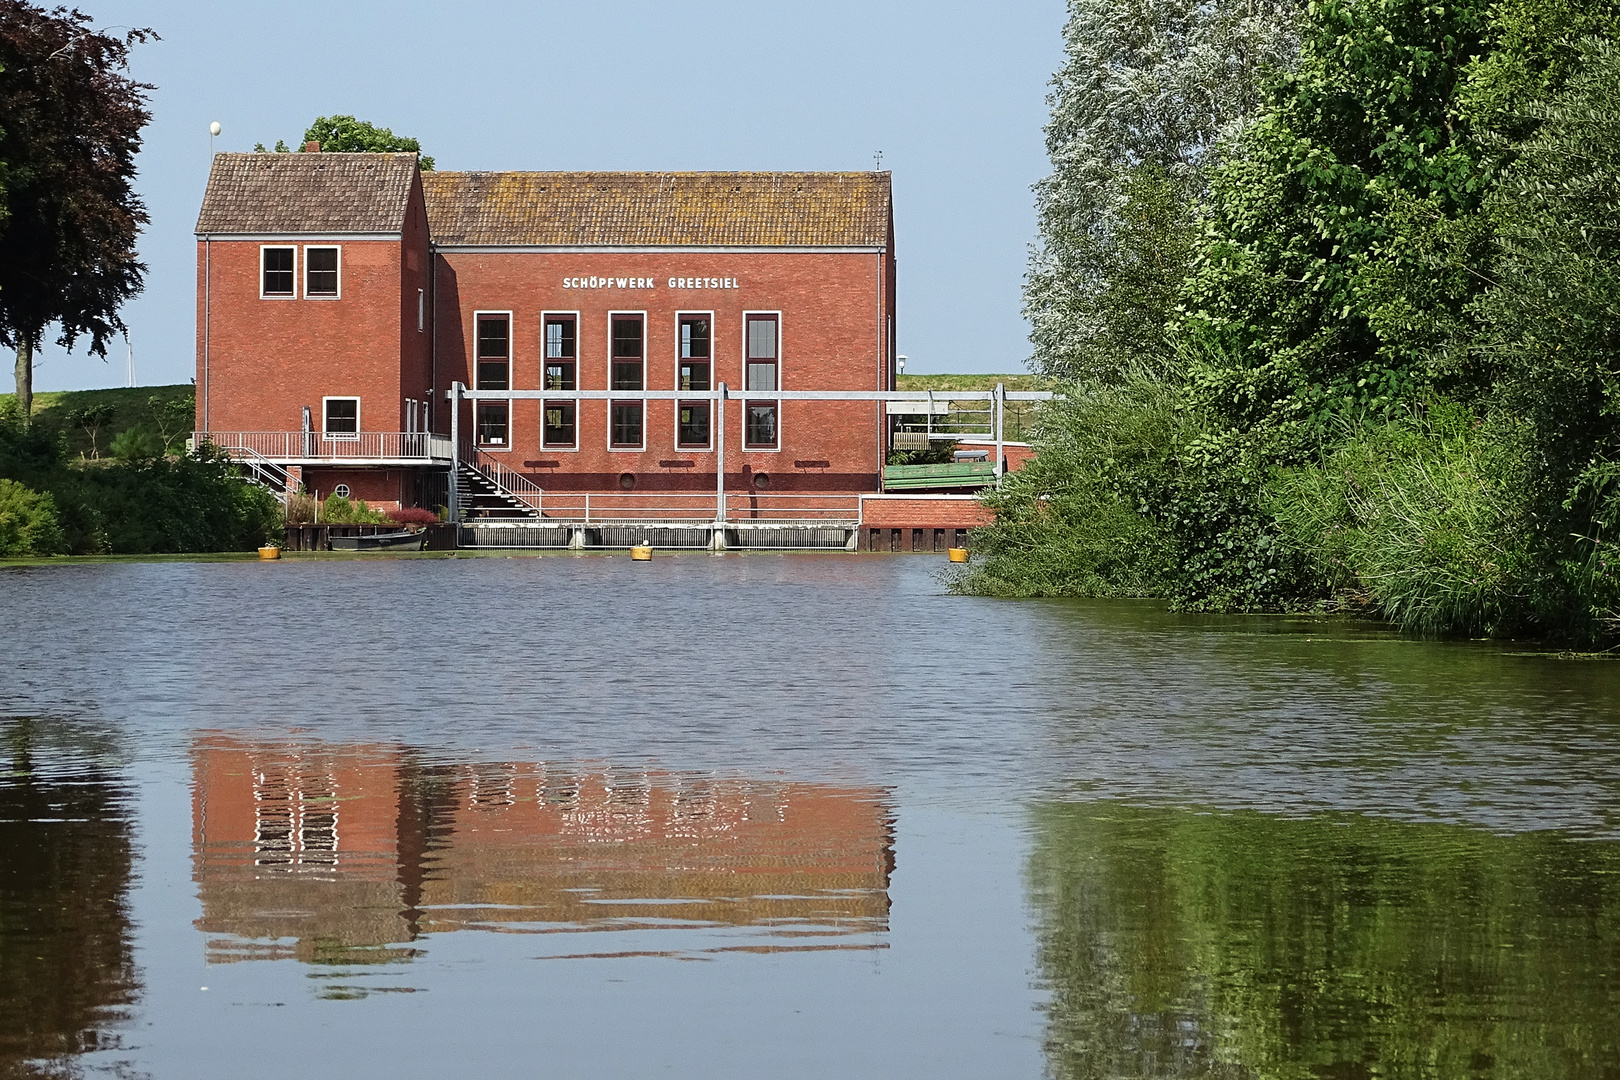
(952, 93)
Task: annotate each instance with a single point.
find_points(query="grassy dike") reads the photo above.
(131, 407)
(63, 489)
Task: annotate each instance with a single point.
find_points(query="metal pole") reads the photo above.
(720, 455)
(1000, 407)
(454, 394)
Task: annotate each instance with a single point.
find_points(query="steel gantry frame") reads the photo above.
(998, 398)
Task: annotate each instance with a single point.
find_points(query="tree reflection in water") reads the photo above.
(66, 970)
(1195, 945)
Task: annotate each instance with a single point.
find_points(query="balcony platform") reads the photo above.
(368, 448)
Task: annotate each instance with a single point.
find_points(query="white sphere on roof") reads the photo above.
(214, 128)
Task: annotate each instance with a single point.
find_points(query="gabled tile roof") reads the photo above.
(623, 209)
(307, 193)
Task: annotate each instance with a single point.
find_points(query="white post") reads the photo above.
(720, 455)
(1000, 407)
(454, 394)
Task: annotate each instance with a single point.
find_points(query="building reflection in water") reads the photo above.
(1179, 944)
(348, 853)
(66, 967)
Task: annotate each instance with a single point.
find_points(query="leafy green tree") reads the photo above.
(92, 418)
(346, 135)
(1553, 319)
(1148, 92)
(29, 524)
(72, 122)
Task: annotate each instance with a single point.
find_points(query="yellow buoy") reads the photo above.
(269, 551)
(957, 554)
(641, 552)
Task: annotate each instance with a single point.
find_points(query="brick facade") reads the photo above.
(833, 336)
(417, 262)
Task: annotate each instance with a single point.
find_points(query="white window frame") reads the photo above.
(493, 448)
(421, 311)
(278, 296)
(764, 395)
(642, 449)
(339, 295)
(675, 433)
(646, 327)
(579, 368)
(511, 349)
(342, 436)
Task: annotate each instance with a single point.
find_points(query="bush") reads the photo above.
(1074, 521)
(301, 508)
(28, 522)
(137, 444)
(1416, 521)
(412, 515)
(339, 510)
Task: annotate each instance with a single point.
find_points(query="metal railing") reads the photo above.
(258, 469)
(508, 480)
(600, 508)
(300, 446)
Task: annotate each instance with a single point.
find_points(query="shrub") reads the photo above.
(1417, 521)
(339, 510)
(412, 515)
(28, 522)
(1073, 522)
(137, 444)
(301, 508)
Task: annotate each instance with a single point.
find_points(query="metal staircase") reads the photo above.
(488, 489)
(258, 469)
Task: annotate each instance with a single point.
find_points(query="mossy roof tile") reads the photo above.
(306, 193)
(652, 209)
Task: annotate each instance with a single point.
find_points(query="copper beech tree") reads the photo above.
(70, 126)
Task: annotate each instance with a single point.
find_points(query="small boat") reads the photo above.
(404, 540)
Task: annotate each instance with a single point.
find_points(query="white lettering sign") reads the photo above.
(605, 282)
(703, 283)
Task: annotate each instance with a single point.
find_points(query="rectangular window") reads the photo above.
(693, 371)
(560, 352)
(762, 358)
(628, 357)
(277, 276)
(693, 424)
(494, 351)
(421, 310)
(625, 425)
(493, 422)
(759, 428)
(342, 418)
(321, 272)
(559, 430)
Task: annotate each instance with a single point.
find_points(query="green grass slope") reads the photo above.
(132, 407)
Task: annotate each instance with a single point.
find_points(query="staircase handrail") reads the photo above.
(508, 480)
(260, 467)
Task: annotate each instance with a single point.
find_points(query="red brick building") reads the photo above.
(341, 296)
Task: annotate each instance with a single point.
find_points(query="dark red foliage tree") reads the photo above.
(70, 126)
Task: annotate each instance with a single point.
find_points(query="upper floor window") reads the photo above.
(276, 275)
(321, 272)
(628, 355)
(560, 352)
(342, 418)
(694, 348)
(494, 351)
(762, 359)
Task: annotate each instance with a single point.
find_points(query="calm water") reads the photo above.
(786, 816)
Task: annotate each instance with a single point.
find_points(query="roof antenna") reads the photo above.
(877, 157)
(213, 130)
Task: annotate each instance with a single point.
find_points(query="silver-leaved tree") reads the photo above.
(1149, 92)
